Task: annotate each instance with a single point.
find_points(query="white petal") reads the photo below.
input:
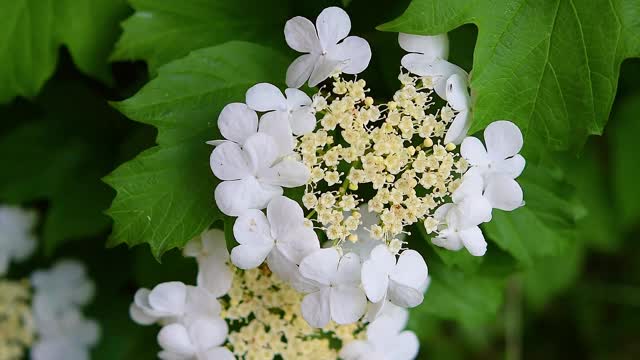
(404, 296)
(237, 122)
(298, 243)
(333, 24)
(474, 152)
(266, 97)
(315, 308)
(262, 151)
(357, 350)
(300, 34)
(235, 197)
(321, 265)
(175, 338)
(288, 173)
(207, 333)
(169, 297)
(252, 228)
(448, 240)
(139, 316)
(441, 212)
(217, 353)
(440, 71)
(471, 211)
(458, 128)
(511, 167)
(503, 139)
(168, 355)
(229, 162)
(213, 243)
(404, 346)
(473, 240)
(433, 47)
(201, 303)
(288, 271)
(303, 121)
(388, 324)
(300, 70)
(355, 53)
(349, 270)
(348, 304)
(417, 64)
(277, 125)
(296, 98)
(323, 68)
(503, 193)
(249, 257)
(411, 269)
(283, 216)
(472, 185)
(458, 92)
(375, 273)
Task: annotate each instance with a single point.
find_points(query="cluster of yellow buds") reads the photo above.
(16, 322)
(265, 318)
(391, 157)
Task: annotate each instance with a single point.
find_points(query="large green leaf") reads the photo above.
(545, 226)
(164, 30)
(59, 155)
(165, 195)
(551, 66)
(31, 31)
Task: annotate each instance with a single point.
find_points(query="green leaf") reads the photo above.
(470, 299)
(32, 31)
(165, 195)
(541, 228)
(551, 66)
(164, 30)
(624, 129)
(59, 156)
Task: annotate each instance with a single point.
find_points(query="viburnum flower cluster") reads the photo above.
(367, 173)
(43, 313)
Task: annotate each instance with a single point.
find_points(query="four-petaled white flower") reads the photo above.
(459, 220)
(280, 237)
(253, 173)
(284, 115)
(402, 281)
(428, 57)
(210, 251)
(386, 339)
(17, 240)
(325, 52)
(68, 337)
(499, 164)
(336, 293)
(457, 92)
(201, 339)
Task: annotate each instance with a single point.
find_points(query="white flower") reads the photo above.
(210, 250)
(337, 294)
(458, 97)
(401, 281)
(17, 240)
(173, 302)
(325, 52)
(385, 339)
(499, 164)
(199, 340)
(295, 109)
(280, 237)
(68, 337)
(253, 173)
(63, 287)
(428, 57)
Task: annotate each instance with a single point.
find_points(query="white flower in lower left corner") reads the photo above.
(281, 237)
(201, 339)
(336, 294)
(253, 174)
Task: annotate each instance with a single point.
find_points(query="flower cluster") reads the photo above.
(45, 312)
(369, 173)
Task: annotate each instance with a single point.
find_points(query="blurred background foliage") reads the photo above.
(560, 279)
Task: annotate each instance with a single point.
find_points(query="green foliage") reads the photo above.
(32, 31)
(550, 66)
(164, 30)
(165, 195)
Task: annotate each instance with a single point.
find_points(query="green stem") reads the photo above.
(513, 319)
